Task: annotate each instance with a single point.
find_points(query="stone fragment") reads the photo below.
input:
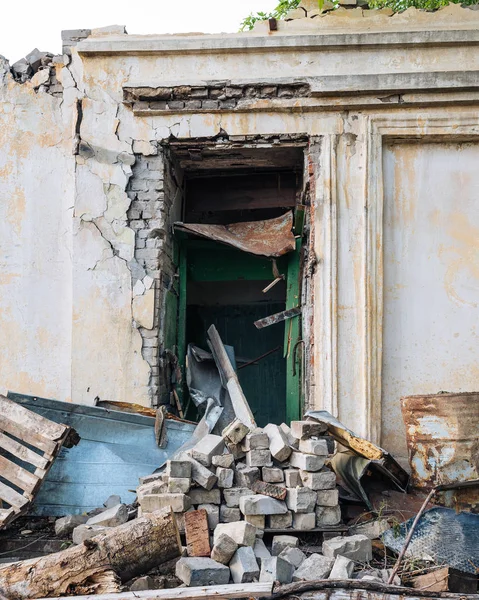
(371, 529)
(236, 450)
(314, 567)
(199, 571)
(41, 77)
(293, 555)
(223, 460)
(210, 445)
(272, 475)
(86, 532)
(197, 533)
(213, 512)
(142, 583)
(306, 462)
(258, 458)
(257, 439)
(278, 442)
(286, 429)
(235, 432)
(178, 468)
(281, 521)
(243, 566)
(229, 515)
(202, 496)
(225, 477)
(35, 57)
(303, 430)
(65, 525)
(304, 521)
(112, 501)
(178, 502)
(330, 498)
(22, 70)
(319, 447)
(201, 475)
(111, 517)
(355, 547)
(276, 569)
(292, 478)
(243, 533)
(269, 489)
(247, 476)
(323, 480)
(261, 505)
(301, 500)
(257, 520)
(342, 569)
(232, 495)
(179, 485)
(328, 515)
(260, 551)
(280, 542)
(224, 549)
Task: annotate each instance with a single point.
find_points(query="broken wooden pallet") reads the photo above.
(29, 444)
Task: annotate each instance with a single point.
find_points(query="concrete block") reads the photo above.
(314, 567)
(178, 468)
(304, 521)
(302, 430)
(243, 533)
(179, 485)
(371, 529)
(355, 547)
(258, 458)
(111, 517)
(260, 551)
(281, 521)
(343, 568)
(152, 487)
(243, 566)
(236, 450)
(112, 501)
(293, 555)
(292, 478)
(210, 445)
(223, 460)
(269, 489)
(280, 542)
(278, 442)
(257, 520)
(197, 533)
(257, 439)
(322, 480)
(232, 495)
(199, 571)
(178, 502)
(86, 532)
(328, 515)
(65, 525)
(261, 505)
(201, 474)
(142, 584)
(235, 432)
(224, 549)
(329, 498)
(202, 496)
(272, 475)
(301, 500)
(225, 477)
(247, 476)
(213, 512)
(286, 429)
(319, 447)
(276, 569)
(229, 515)
(307, 462)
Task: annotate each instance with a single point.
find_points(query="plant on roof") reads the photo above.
(279, 12)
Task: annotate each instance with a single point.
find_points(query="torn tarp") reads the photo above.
(272, 237)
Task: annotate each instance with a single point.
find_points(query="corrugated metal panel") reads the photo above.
(116, 448)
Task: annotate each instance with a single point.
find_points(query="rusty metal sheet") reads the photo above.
(442, 433)
(272, 237)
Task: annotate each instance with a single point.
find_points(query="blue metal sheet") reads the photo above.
(116, 448)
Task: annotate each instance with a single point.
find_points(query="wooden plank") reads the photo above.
(31, 421)
(30, 437)
(234, 590)
(278, 317)
(17, 475)
(22, 452)
(12, 497)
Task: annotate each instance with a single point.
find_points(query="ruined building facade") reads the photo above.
(363, 125)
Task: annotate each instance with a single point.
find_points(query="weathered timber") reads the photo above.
(128, 550)
(278, 317)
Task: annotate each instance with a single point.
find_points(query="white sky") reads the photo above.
(28, 24)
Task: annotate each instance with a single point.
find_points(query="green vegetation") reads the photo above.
(279, 12)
